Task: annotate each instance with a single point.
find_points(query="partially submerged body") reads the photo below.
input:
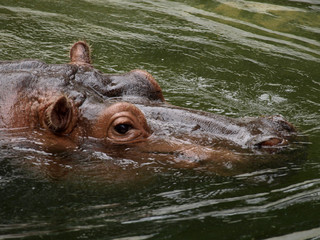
(75, 103)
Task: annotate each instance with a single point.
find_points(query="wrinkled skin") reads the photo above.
(74, 103)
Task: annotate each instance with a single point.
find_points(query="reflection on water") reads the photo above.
(235, 58)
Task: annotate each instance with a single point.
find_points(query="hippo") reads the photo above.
(73, 104)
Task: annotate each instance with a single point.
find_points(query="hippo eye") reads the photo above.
(121, 123)
(122, 128)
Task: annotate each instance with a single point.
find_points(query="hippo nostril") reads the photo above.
(122, 128)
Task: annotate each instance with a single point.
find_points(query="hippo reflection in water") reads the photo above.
(71, 104)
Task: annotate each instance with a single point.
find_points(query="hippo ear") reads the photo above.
(80, 53)
(59, 115)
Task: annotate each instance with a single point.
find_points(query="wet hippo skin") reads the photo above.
(74, 103)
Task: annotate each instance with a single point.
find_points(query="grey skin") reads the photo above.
(28, 89)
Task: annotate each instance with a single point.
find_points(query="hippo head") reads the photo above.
(75, 103)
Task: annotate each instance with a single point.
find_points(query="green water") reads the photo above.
(235, 58)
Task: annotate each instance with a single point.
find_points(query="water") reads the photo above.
(235, 58)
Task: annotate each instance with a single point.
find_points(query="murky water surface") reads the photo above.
(235, 58)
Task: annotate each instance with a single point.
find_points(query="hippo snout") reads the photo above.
(274, 132)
